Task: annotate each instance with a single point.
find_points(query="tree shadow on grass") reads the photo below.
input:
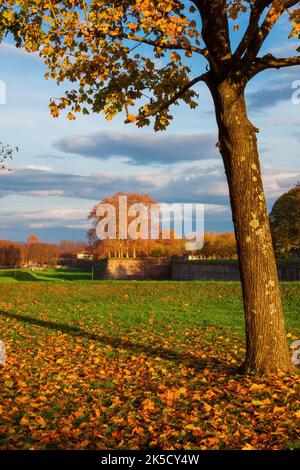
(69, 274)
(18, 275)
(133, 347)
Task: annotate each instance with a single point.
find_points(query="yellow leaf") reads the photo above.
(132, 26)
(266, 401)
(71, 117)
(192, 427)
(256, 387)
(24, 421)
(175, 56)
(248, 447)
(41, 421)
(279, 409)
(207, 407)
(257, 402)
(131, 118)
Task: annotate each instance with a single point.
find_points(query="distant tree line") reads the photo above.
(216, 245)
(219, 246)
(284, 221)
(36, 253)
(68, 249)
(28, 254)
(138, 248)
(10, 255)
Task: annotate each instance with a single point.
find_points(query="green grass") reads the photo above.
(49, 274)
(194, 302)
(133, 304)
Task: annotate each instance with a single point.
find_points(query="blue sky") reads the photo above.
(64, 167)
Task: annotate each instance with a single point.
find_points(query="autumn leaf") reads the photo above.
(131, 118)
(107, 379)
(248, 447)
(71, 116)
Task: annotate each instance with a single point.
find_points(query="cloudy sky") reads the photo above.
(64, 167)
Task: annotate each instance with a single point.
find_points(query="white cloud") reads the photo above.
(7, 48)
(286, 48)
(143, 148)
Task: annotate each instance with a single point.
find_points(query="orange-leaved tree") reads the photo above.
(97, 45)
(121, 247)
(166, 243)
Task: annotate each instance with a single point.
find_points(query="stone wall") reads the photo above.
(135, 269)
(200, 271)
(152, 269)
(210, 271)
(289, 273)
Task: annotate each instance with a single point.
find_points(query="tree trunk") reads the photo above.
(266, 342)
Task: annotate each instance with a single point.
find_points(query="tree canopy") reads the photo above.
(219, 245)
(120, 247)
(285, 222)
(33, 239)
(103, 48)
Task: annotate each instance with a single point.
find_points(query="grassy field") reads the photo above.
(128, 365)
(49, 274)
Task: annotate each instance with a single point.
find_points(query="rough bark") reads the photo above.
(266, 342)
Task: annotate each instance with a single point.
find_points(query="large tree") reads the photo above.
(166, 244)
(285, 223)
(139, 56)
(120, 247)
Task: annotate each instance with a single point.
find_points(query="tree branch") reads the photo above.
(262, 32)
(256, 12)
(177, 46)
(291, 3)
(271, 62)
(196, 3)
(162, 107)
(215, 32)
